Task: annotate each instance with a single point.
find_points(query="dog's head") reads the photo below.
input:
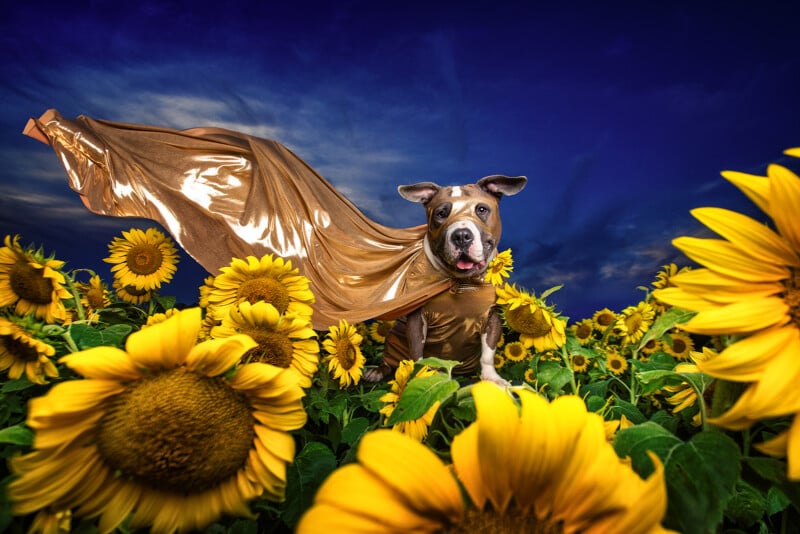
(463, 221)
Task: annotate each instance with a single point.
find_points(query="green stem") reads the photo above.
(565, 359)
(76, 297)
(70, 342)
(725, 395)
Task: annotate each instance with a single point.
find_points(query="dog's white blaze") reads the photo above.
(456, 192)
(475, 250)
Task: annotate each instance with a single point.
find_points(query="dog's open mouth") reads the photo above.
(465, 264)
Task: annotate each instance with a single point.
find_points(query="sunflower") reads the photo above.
(143, 260)
(652, 345)
(664, 280)
(32, 282)
(48, 522)
(749, 288)
(615, 363)
(499, 268)
(579, 363)
(538, 326)
(379, 329)
(94, 295)
(205, 290)
(21, 352)
(131, 293)
(267, 279)
(516, 351)
(604, 318)
(285, 341)
(160, 317)
(418, 428)
(679, 345)
(583, 330)
(634, 322)
(344, 359)
(499, 361)
(683, 395)
(541, 467)
(168, 433)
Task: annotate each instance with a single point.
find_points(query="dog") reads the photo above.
(463, 323)
(256, 197)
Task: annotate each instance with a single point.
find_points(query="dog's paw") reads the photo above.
(376, 374)
(490, 375)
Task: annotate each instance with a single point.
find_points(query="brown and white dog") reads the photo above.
(463, 323)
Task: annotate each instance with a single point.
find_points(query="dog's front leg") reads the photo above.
(489, 340)
(416, 333)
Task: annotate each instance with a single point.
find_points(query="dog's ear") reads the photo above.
(500, 185)
(422, 192)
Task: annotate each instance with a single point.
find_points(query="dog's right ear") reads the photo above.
(422, 192)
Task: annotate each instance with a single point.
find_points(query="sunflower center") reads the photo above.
(583, 331)
(512, 521)
(516, 351)
(615, 364)
(266, 289)
(524, 321)
(178, 431)
(96, 298)
(345, 353)
(605, 319)
(135, 291)
(633, 322)
(28, 283)
(273, 347)
(578, 360)
(20, 351)
(144, 259)
(678, 345)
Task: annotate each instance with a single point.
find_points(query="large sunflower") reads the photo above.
(345, 359)
(267, 279)
(535, 468)
(749, 288)
(143, 260)
(22, 352)
(168, 432)
(538, 326)
(418, 428)
(285, 341)
(32, 282)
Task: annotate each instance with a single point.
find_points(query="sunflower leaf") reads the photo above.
(303, 477)
(666, 322)
(16, 435)
(419, 395)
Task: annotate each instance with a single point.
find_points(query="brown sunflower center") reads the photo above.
(678, 345)
(384, 327)
(266, 289)
(512, 521)
(273, 347)
(524, 321)
(29, 283)
(516, 351)
(19, 349)
(633, 322)
(135, 291)
(615, 364)
(583, 331)
(144, 259)
(95, 296)
(345, 353)
(178, 431)
(578, 360)
(605, 319)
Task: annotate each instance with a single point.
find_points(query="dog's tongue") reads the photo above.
(465, 264)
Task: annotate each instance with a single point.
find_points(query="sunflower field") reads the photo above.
(121, 412)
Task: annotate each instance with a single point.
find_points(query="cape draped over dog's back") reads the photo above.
(223, 194)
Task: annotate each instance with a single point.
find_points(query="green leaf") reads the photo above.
(553, 374)
(665, 322)
(438, 363)
(654, 380)
(746, 506)
(354, 429)
(419, 395)
(16, 385)
(634, 442)
(623, 407)
(310, 468)
(16, 435)
(701, 478)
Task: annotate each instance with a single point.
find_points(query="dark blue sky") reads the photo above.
(622, 117)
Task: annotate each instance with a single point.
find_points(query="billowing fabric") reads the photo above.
(223, 194)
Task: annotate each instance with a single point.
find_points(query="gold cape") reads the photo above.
(223, 194)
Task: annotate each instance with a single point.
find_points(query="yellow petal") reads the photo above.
(785, 203)
(754, 238)
(740, 318)
(466, 462)
(422, 480)
(71, 397)
(215, 356)
(725, 258)
(680, 298)
(109, 363)
(331, 520)
(746, 360)
(793, 450)
(165, 345)
(795, 152)
(775, 446)
(698, 280)
(254, 375)
(755, 187)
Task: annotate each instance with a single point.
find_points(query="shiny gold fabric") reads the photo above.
(455, 320)
(224, 194)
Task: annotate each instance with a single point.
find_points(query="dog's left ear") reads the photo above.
(422, 192)
(500, 185)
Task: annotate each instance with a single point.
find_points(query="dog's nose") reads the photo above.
(462, 238)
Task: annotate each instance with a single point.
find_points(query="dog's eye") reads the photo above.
(441, 213)
(482, 211)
